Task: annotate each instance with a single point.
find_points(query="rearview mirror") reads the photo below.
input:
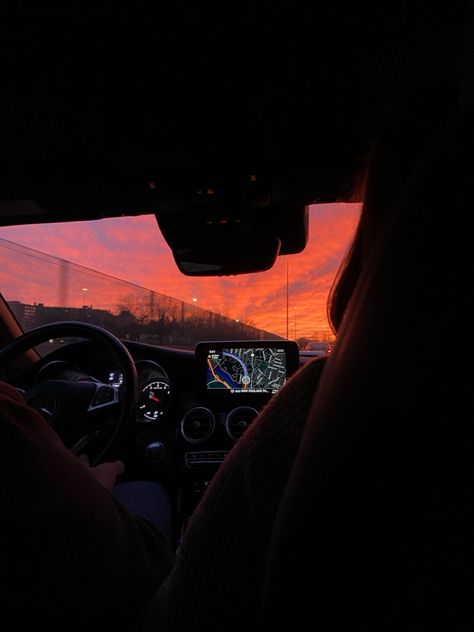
(207, 243)
(252, 253)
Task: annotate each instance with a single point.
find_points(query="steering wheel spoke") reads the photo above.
(81, 446)
(104, 397)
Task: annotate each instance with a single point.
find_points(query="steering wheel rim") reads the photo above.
(128, 390)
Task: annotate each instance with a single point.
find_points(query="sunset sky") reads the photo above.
(133, 249)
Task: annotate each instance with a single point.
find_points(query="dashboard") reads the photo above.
(193, 404)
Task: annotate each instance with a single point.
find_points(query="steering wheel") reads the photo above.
(89, 416)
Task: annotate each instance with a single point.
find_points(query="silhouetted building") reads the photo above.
(24, 313)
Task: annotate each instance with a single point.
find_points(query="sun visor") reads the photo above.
(206, 243)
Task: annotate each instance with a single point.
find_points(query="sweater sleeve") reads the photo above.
(216, 581)
(72, 556)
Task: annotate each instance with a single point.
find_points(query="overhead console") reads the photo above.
(226, 225)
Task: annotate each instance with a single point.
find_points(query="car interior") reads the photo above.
(225, 126)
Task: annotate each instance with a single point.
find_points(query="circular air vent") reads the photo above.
(197, 424)
(238, 420)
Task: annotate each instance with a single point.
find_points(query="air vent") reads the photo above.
(197, 424)
(238, 420)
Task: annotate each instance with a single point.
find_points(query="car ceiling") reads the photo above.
(110, 110)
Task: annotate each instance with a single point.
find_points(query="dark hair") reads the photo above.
(393, 153)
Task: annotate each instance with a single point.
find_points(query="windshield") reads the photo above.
(120, 274)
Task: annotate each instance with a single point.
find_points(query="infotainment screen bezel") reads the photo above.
(239, 398)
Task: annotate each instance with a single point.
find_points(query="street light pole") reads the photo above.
(287, 296)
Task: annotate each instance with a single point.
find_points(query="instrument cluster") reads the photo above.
(154, 390)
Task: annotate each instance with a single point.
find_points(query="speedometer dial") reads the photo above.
(154, 391)
(154, 399)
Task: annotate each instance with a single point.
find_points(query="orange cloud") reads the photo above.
(134, 249)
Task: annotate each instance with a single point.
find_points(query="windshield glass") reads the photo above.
(120, 274)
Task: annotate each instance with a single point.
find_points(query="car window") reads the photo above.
(119, 273)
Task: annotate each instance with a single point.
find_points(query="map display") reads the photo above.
(251, 369)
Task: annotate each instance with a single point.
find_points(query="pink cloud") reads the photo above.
(133, 249)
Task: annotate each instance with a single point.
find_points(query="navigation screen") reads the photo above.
(246, 370)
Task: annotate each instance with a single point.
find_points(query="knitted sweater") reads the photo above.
(217, 578)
